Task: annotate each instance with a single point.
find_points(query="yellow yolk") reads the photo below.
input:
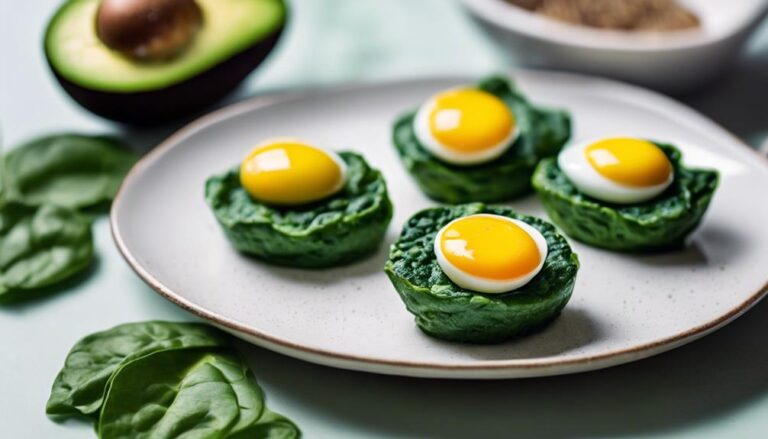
(290, 173)
(630, 162)
(470, 120)
(490, 248)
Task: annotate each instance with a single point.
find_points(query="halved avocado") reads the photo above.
(235, 37)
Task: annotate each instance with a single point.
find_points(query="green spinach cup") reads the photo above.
(542, 133)
(447, 311)
(337, 230)
(662, 222)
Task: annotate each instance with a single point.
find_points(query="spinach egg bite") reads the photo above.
(478, 143)
(295, 204)
(624, 193)
(481, 274)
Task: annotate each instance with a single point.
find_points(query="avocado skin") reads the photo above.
(447, 311)
(170, 103)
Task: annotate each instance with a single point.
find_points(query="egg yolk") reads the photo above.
(469, 121)
(290, 173)
(630, 162)
(490, 248)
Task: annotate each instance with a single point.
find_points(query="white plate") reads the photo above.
(623, 308)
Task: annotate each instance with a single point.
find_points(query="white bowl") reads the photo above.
(673, 62)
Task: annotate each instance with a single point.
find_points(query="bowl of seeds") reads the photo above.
(670, 45)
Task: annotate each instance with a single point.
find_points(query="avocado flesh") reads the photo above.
(229, 27)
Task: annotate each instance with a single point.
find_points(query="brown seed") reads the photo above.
(630, 15)
(149, 30)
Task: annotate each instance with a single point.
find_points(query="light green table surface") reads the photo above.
(712, 388)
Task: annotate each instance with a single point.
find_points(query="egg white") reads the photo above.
(484, 285)
(441, 151)
(575, 165)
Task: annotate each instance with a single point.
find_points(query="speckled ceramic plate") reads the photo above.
(624, 307)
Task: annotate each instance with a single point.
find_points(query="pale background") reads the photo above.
(715, 387)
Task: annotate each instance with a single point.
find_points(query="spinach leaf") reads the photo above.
(70, 170)
(79, 387)
(170, 394)
(270, 425)
(189, 393)
(40, 246)
(165, 380)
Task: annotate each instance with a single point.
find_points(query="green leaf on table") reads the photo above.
(195, 393)
(40, 246)
(270, 425)
(70, 170)
(165, 380)
(170, 394)
(80, 386)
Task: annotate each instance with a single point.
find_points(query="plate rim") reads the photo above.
(495, 368)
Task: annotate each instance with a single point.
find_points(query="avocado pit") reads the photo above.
(148, 30)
